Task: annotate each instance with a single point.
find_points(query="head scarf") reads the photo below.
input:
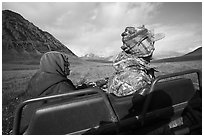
(139, 42)
(54, 67)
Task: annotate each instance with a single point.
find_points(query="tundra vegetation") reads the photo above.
(15, 78)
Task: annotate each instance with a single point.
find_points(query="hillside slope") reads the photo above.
(194, 55)
(21, 39)
(197, 52)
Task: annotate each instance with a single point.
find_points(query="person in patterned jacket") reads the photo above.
(132, 65)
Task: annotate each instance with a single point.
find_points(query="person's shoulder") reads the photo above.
(67, 85)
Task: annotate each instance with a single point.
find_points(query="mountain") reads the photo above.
(169, 54)
(21, 39)
(194, 55)
(174, 57)
(197, 52)
(95, 58)
(91, 56)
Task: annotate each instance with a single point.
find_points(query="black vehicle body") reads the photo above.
(172, 107)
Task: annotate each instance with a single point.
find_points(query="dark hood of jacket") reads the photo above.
(51, 71)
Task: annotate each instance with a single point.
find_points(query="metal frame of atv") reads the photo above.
(145, 117)
(149, 97)
(141, 119)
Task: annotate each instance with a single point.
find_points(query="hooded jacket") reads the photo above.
(50, 79)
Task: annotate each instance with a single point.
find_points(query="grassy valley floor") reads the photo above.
(16, 77)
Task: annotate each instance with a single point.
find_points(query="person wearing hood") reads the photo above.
(132, 65)
(50, 79)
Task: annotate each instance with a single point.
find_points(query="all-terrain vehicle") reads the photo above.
(173, 106)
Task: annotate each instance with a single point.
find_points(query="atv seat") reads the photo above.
(93, 109)
(164, 108)
(86, 112)
(166, 94)
(71, 115)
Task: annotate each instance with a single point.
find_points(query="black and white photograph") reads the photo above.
(101, 68)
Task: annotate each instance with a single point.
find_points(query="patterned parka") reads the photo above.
(132, 64)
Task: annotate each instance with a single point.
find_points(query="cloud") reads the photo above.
(96, 26)
(180, 39)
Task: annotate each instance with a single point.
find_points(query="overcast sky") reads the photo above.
(86, 27)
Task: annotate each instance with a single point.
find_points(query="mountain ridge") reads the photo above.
(193, 55)
(196, 52)
(21, 39)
